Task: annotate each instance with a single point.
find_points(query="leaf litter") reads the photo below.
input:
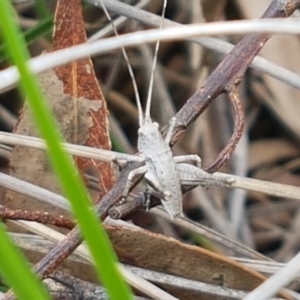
(271, 116)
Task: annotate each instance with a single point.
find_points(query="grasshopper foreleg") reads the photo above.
(139, 171)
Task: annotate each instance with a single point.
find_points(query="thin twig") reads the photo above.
(10, 76)
(63, 286)
(239, 120)
(36, 216)
(63, 249)
(229, 72)
(217, 45)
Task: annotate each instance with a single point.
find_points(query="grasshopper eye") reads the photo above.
(140, 131)
(167, 195)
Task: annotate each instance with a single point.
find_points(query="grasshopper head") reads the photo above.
(148, 128)
(149, 138)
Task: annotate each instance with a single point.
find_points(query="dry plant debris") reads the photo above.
(267, 150)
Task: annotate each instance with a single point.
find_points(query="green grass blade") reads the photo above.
(72, 186)
(15, 270)
(41, 9)
(30, 35)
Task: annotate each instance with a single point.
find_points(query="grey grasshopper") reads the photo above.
(162, 171)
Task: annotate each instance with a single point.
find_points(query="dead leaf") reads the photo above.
(76, 100)
(156, 252)
(79, 80)
(141, 248)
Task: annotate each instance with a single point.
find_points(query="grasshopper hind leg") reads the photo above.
(190, 174)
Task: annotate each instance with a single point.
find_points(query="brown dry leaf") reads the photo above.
(156, 252)
(79, 81)
(77, 102)
(141, 248)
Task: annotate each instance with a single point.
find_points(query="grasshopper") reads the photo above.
(162, 171)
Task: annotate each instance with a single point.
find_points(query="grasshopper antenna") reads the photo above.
(149, 97)
(136, 91)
